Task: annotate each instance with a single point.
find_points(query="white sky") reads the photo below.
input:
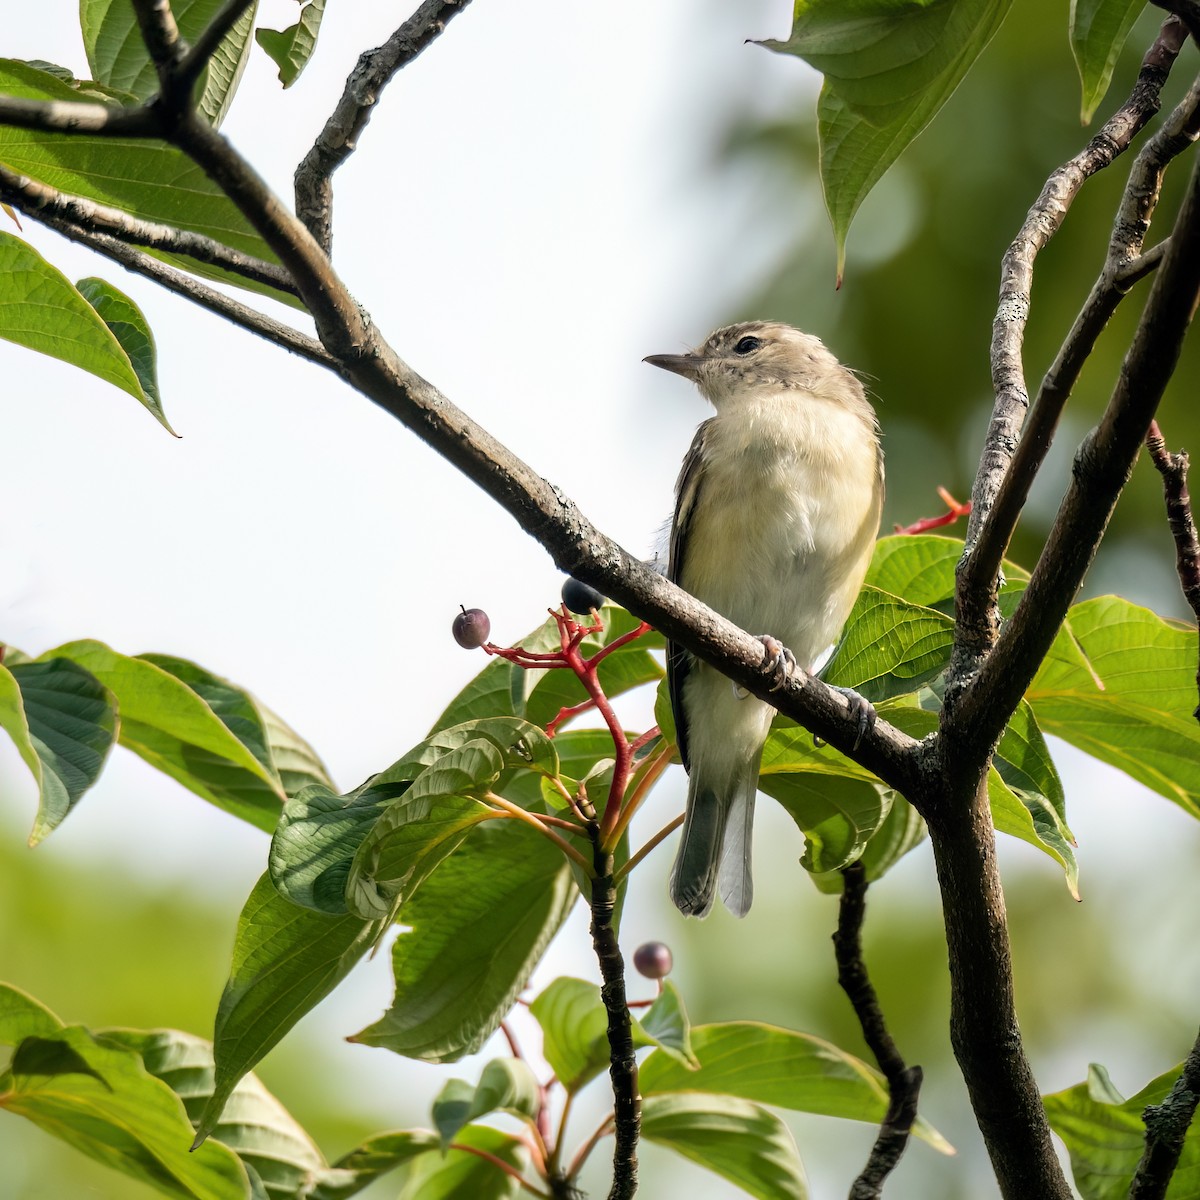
(528, 216)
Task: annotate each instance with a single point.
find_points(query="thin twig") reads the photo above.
(498, 1162)
(36, 200)
(904, 1082)
(1174, 470)
(339, 138)
(665, 832)
(978, 615)
(1188, 12)
(1166, 1127)
(627, 1104)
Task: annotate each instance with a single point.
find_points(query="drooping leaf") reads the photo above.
(737, 1139)
(118, 58)
(291, 48)
(285, 960)
(62, 720)
(902, 830)
(1098, 32)
(370, 1161)
(478, 927)
(1105, 1136)
(132, 331)
(97, 1096)
(42, 310)
(505, 1085)
(1120, 683)
(889, 647)
(769, 1065)
(888, 68)
(22, 1016)
(174, 728)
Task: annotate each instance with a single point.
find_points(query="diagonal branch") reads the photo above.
(339, 138)
(1102, 467)
(978, 616)
(1166, 1127)
(39, 201)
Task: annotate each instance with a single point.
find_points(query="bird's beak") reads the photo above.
(687, 365)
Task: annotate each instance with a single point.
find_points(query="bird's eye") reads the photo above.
(747, 345)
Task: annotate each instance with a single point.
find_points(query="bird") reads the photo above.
(777, 510)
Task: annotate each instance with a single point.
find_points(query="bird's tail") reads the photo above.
(715, 850)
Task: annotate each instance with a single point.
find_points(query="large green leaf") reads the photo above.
(372, 1159)
(22, 1016)
(477, 928)
(285, 960)
(132, 331)
(1098, 32)
(461, 1175)
(96, 1095)
(64, 725)
(737, 1139)
(781, 1067)
(902, 830)
(217, 750)
(888, 68)
(291, 48)
(1120, 684)
(889, 647)
(41, 309)
(118, 58)
(263, 1134)
(1105, 1136)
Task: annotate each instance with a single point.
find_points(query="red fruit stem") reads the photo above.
(956, 510)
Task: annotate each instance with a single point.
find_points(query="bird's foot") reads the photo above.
(861, 709)
(781, 660)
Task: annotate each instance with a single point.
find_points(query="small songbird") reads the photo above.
(776, 513)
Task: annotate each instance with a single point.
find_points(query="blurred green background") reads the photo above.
(1109, 979)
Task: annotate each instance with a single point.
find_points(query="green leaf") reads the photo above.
(574, 1030)
(463, 1176)
(1120, 684)
(738, 1140)
(132, 331)
(919, 568)
(315, 842)
(373, 1159)
(42, 310)
(145, 178)
(665, 1024)
(62, 720)
(296, 762)
(22, 1016)
(97, 1096)
(255, 1126)
(889, 647)
(118, 58)
(506, 1085)
(419, 829)
(1105, 1136)
(291, 48)
(285, 960)
(902, 830)
(888, 68)
(780, 1067)
(478, 928)
(169, 723)
(1098, 32)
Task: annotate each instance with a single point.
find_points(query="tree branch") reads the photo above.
(904, 1082)
(1166, 1127)
(627, 1104)
(161, 36)
(1174, 469)
(1102, 467)
(978, 615)
(283, 336)
(37, 200)
(339, 138)
(70, 116)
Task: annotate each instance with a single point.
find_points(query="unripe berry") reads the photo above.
(471, 628)
(653, 959)
(580, 597)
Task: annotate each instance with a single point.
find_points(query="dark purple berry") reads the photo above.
(653, 959)
(580, 597)
(471, 628)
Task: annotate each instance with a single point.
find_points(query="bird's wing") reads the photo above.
(679, 661)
